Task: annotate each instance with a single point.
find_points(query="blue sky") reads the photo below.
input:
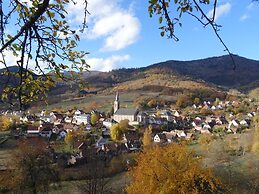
(121, 34)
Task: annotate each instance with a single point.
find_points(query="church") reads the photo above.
(124, 113)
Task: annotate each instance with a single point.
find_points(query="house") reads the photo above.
(157, 120)
(48, 118)
(245, 123)
(108, 123)
(219, 107)
(197, 128)
(33, 130)
(68, 119)
(206, 126)
(105, 132)
(170, 136)
(57, 128)
(81, 119)
(213, 107)
(87, 127)
(78, 112)
(167, 115)
(68, 126)
(160, 138)
(197, 121)
(46, 132)
(133, 146)
(28, 118)
(189, 136)
(233, 123)
(43, 113)
(62, 134)
(101, 141)
(251, 114)
(233, 126)
(180, 133)
(142, 118)
(56, 118)
(175, 113)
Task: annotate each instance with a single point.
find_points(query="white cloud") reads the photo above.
(220, 11)
(108, 64)
(11, 60)
(244, 17)
(119, 27)
(251, 6)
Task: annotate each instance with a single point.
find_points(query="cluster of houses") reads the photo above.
(46, 124)
(168, 125)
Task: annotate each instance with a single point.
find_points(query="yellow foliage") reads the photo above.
(205, 140)
(171, 169)
(116, 132)
(69, 137)
(147, 139)
(74, 136)
(124, 124)
(94, 118)
(4, 123)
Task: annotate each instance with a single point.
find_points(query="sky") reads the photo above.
(121, 34)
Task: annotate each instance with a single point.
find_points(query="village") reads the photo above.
(95, 131)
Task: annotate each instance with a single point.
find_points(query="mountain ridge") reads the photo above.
(214, 70)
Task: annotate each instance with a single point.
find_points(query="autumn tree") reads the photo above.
(206, 111)
(196, 101)
(119, 129)
(74, 136)
(171, 169)
(124, 124)
(183, 101)
(43, 42)
(5, 123)
(116, 132)
(33, 168)
(147, 139)
(94, 118)
(204, 140)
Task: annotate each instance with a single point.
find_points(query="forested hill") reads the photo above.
(218, 70)
(215, 70)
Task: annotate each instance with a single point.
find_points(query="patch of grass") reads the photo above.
(116, 184)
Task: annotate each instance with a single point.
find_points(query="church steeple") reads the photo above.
(116, 104)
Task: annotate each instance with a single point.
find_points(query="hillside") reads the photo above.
(169, 78)
(216, 70)
(219, 71)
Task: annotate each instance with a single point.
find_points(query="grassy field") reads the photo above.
(104, 102)
(115, 184)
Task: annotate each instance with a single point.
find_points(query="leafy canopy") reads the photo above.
(171, 169)
(42, 41)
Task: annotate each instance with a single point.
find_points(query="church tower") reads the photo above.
(116, 104)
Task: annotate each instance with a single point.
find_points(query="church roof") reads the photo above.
(126, 111)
